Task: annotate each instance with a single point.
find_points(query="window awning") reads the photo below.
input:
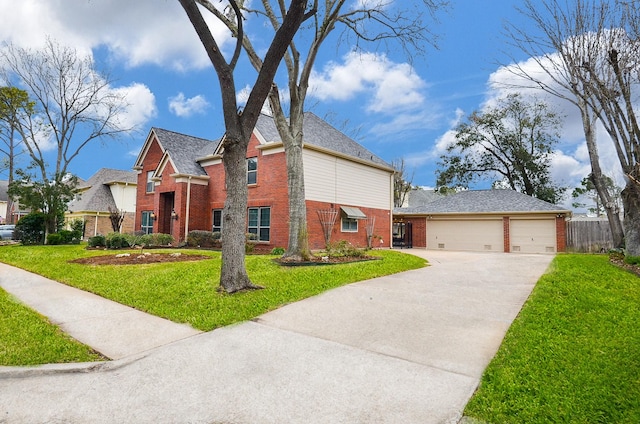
(353, 213)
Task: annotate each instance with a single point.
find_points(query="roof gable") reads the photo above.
(182, 149)
(96, 194)
(321, 134)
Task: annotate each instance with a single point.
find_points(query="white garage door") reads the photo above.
(533, 235)
(473, 235)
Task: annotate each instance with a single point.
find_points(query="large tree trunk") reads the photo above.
(291, 134)
(233, 274)
(631, 204)
(298, 247)
(598, 179)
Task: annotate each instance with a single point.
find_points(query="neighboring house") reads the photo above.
(482, 220)
(16, 210)
(181, 186)
(107, 190)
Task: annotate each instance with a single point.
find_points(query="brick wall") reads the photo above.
(561, 234)
(507, 235)
(382, 226)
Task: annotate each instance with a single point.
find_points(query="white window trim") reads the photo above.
(342, 230)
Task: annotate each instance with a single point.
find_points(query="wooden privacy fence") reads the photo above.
(589, 236)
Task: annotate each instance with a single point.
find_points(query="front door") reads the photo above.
(166, 207)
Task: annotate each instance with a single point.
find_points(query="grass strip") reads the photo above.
(573, 353)
(27, 338)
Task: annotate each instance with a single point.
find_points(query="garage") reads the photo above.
(497, 220)
(533, 235)
(465, 234)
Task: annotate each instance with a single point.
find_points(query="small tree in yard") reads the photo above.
(15, 106)
(117, 218)
(239, 124)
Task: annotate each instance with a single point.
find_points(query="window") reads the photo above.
(252, 170)
(147, 222)
(349, 225)
(150, 184)
(260, 223)
(217, 221)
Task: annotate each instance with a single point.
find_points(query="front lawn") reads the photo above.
(185, 292)
(573, 354)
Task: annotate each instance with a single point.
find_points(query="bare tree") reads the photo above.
(402, 182)
(239, 124)
(573, 38)
(377, 22)
(116, 216)
(14, 107)
(74, 106)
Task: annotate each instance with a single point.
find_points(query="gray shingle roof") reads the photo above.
(483, 201)
(97, 195)
(184, 149)
(420, 197)
(319, 133)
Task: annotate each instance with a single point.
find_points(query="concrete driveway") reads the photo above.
(406, 348)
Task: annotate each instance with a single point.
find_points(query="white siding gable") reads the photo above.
(332, 179)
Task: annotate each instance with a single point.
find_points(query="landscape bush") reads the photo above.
(277, 251)
(116, 241)
(200, 238)
(30, 229)
(54, 239)
(343, 248)
(97, 241)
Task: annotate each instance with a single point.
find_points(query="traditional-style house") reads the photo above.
(480, 220)
(108, 190)
(349, 190)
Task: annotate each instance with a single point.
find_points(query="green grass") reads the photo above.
(27, 338)
(573, 354)
(185, 292)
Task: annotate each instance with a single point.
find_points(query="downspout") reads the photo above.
(186, 214)
(95, 226)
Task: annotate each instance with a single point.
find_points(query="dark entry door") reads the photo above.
(166, 206)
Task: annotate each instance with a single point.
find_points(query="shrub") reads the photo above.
(199, 238)
(97, 241)
(632, 260)
(77, 229)
(344, 248)
(55, 238)
(30, 228)
(66, 237)
(277, 251)
(116, 241)
(160, 239)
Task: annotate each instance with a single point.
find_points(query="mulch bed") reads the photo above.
(618, 260)
(316, 260)
(138, 259)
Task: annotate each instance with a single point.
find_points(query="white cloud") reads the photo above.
(138, 32)
(389, 87)
(141, 105)
(185, 108)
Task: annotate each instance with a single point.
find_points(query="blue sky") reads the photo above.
(393, 106)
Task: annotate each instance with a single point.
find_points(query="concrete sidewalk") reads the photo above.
(407, 348)
(115, 330)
